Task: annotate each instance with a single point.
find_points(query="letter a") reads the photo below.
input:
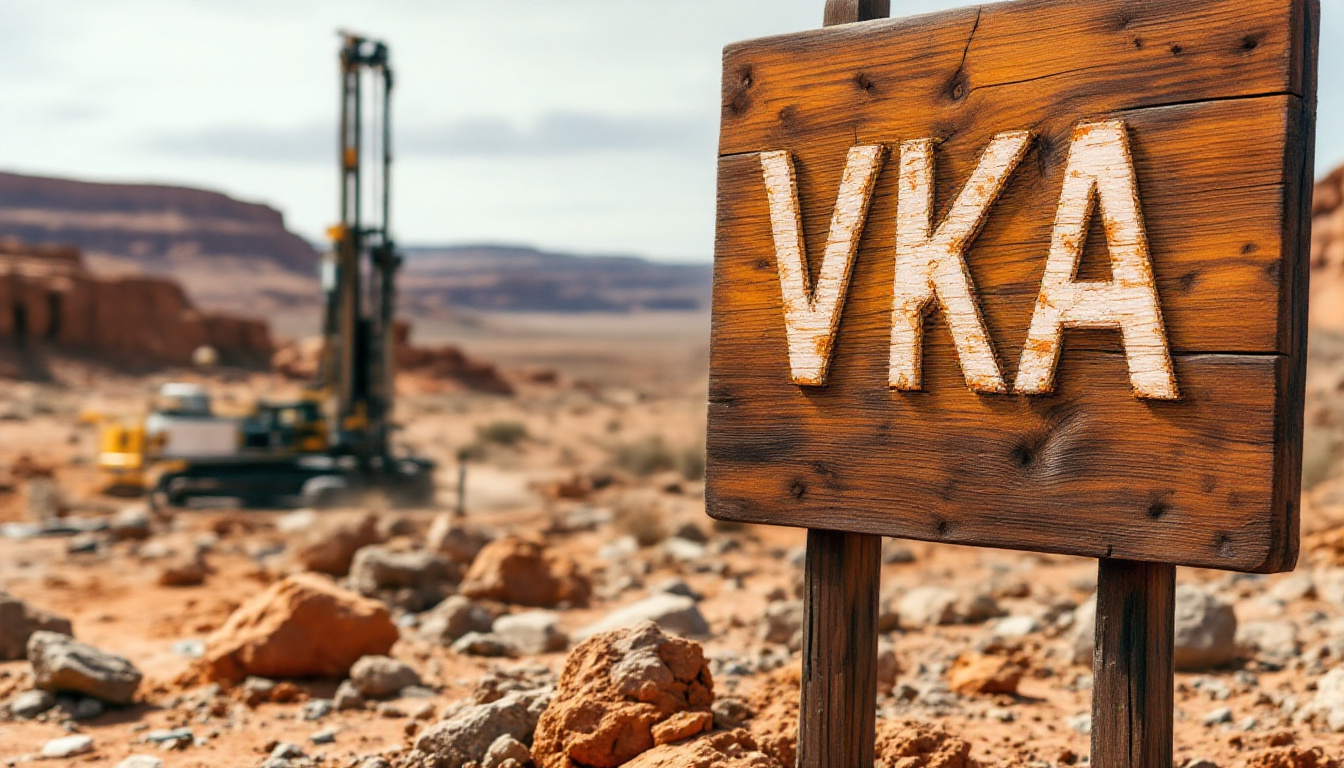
(812, 316)
(1100, 173)
(929, 264)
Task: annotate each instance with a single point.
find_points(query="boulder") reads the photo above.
(615, 688)
(1327, 706)
(467, 736)
(459, 543)
(410, 580)
(30, 704)
(1083, 636)
(723, 749)
(673, 613)
(531, 633)
(453, 618)
(62, 664)
(302, 626)
(330, 544)
(18, 622)
(507, 752)
(1206, 630)
(184, 571)
(933, 606)
(525, 572)
(133, 523)
(1272, 642)
(378, 677)
(483, 644)
(977, 674)
(783, 623)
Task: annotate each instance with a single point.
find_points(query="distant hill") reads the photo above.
(515, 279)
(228, 253)
(237, 256)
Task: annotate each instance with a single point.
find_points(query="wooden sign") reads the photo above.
(1030, 275)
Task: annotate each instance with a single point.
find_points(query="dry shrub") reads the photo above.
(640, 515)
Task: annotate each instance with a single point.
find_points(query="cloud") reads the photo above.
(552, 135)
(304, 144)
(560, 133)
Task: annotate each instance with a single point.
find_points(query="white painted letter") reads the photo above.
(929, 264)
(1100, 169)
(812, 316)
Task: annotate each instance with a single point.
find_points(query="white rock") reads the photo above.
(927, 606)
(1327, 708)
(68, 746)
(532, 632)
(1206, 630)
(1020, 625)
(1294, 586)
(1272, 641)
(141, 761)
(673, 613)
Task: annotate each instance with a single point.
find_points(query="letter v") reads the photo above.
(812, 315)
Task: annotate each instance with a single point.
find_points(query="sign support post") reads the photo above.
(838, 715)
(1133, 678)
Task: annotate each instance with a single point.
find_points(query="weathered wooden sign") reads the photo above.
(1029, 276)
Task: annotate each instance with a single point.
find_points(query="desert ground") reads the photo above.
(519, 633)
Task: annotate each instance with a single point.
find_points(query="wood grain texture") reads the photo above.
(1218, 97)
(1132, 670)
(837, 721)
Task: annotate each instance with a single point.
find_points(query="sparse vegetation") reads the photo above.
(506, 433)
(645, 457)
(640, 517)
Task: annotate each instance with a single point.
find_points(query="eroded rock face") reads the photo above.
(724, 749)
(18, 622)
(525, 572)
(62, 664)
(615, 688)
(302, 626)
(775, 704)
(920, 745)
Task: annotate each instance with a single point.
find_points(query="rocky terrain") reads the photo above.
(584, 612)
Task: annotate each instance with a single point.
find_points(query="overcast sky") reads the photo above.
(581, 125)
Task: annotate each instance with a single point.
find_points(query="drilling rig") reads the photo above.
(333, 445)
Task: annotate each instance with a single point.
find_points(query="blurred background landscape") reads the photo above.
(167, 175)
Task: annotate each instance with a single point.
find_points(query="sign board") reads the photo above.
(1030, 275)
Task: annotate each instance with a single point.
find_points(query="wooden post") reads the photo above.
(461, 510)
(849, 11)
(838, 720)
(837, 725)
(1133, 676)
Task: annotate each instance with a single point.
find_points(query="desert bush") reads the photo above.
(506, 433)
(645, 457)
(693, 462)
(640, 516)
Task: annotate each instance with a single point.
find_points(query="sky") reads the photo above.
(586, 126)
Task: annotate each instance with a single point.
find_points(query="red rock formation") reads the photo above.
(148, 224)
(48, 299)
